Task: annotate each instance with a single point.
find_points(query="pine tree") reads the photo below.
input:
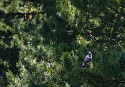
(43, 43)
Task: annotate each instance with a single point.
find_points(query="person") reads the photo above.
(87, 59)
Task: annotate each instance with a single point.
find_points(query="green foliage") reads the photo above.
(43, 43)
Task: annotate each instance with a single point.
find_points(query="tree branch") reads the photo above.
(19, 14)
(117, 12)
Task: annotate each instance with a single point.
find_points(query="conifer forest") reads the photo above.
(43, 43)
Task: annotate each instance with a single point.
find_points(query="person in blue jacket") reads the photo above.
(87, 59)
